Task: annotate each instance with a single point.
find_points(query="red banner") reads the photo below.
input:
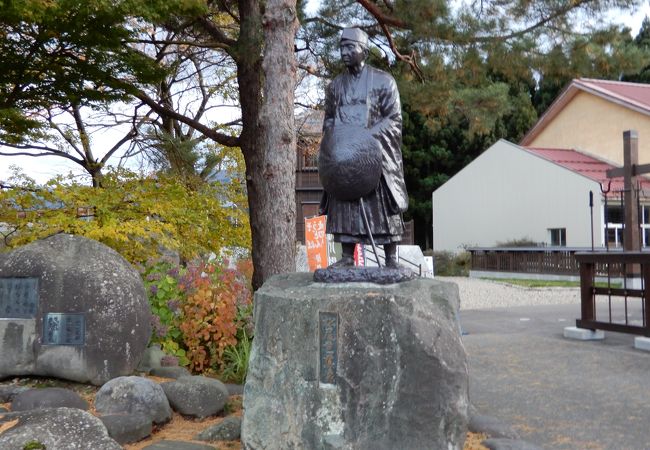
(316, 242)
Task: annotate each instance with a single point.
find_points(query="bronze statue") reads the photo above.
(360, 159)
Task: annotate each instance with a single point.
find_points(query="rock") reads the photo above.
(177, 445)
(127, 428)
(133, 395)
(235, 389)
(9, 391)
(85, 296)
(196, 396)
(491, 426)
(509, 444)
(151, 358)
(57, 429)
(170, 372)
(229, 429)
(3, 409)
(355, 366)
(48, 398)
(302, 264)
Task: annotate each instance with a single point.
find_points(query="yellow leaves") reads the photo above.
(134, 215)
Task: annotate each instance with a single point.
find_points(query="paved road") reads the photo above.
(558, 393)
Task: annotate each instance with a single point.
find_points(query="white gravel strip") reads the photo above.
(484, 294)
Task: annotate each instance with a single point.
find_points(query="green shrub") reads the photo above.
(449, 264)
(202, 314)
(521, 242)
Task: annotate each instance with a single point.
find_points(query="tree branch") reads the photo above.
(220, 138)
(215, 32)
(380, 16)
(47, 151)
(411, 59)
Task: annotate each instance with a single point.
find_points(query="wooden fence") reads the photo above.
(534, 260)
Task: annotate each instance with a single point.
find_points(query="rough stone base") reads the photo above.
(355, 366)
(583, 334)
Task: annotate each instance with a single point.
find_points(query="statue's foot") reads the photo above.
(346, 261)
(392, 263)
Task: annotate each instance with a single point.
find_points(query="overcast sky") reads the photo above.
(44, 168)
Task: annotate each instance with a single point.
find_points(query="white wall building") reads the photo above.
(511, 192)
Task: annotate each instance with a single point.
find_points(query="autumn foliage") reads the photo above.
(200, 311)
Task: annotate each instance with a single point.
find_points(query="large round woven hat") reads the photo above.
(349, 162)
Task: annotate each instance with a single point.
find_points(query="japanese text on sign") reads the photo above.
(18, 298)
(328, 348)
(316, 242)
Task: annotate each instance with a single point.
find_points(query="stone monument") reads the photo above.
(71, 308)
(356, 366)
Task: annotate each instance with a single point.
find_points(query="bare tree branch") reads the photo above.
(220, 138)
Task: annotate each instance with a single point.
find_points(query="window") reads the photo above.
(309, 161)
(558, 237)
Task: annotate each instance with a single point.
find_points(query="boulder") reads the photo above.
(127, 428)
(177, 445)
(48, 398)
(76, 310)
(355, 366)
(196, 396)
(170, 372)
(133, 395)
(151, 358)
(9, 391)
(509, 444)
(491, 426)
(57, 428)
(229, 429)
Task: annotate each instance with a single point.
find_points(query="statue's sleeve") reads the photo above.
(389, 112)
(387, 129)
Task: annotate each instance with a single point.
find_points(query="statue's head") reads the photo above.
(353, 47)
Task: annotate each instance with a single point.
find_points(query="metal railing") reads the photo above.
(370, 256)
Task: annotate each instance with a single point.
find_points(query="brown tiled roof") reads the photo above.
(635, 96)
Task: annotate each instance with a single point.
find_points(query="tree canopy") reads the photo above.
(469, 73)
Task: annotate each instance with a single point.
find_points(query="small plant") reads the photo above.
(161, 280)
(521, 242)
(235, 359)
(201, 312)
(34, 445)
(448, 264)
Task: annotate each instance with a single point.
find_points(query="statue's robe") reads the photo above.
(369, 101)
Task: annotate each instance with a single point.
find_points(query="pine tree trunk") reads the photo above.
(268, 136)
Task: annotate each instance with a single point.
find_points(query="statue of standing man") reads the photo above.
(360, 161)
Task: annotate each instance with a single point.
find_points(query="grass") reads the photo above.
(546, 283)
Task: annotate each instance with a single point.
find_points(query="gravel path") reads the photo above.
(484, 294)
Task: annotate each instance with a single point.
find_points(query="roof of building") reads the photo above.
(635, 96)
(588, 166)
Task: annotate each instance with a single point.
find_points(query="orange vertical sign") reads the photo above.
(316, 242)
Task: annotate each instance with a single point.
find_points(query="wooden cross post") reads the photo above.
(632, 238)
(630, 170)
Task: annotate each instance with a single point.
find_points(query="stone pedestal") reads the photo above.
(356, 366)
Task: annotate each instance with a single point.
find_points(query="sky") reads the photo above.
(44, 168)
